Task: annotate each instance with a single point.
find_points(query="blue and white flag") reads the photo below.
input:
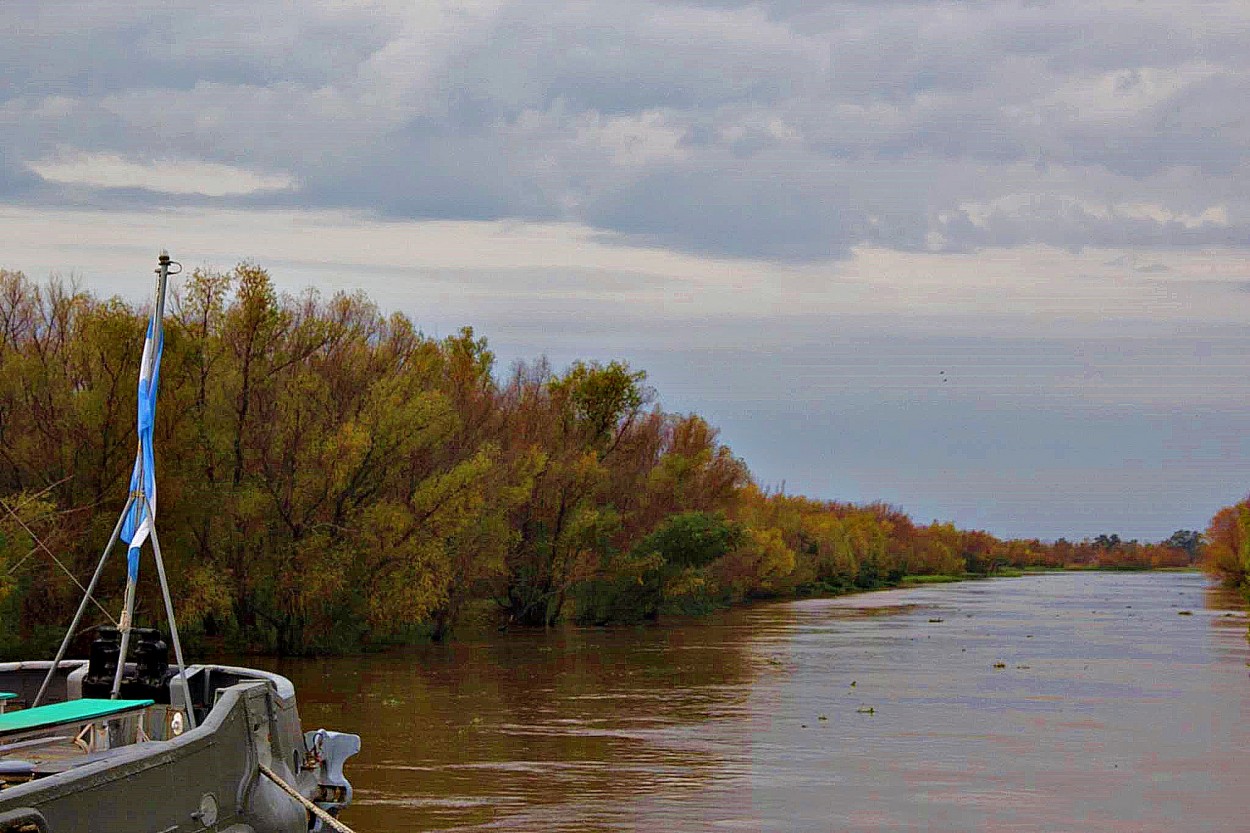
(138, 524)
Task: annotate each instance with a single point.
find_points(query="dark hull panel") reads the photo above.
(207, 778)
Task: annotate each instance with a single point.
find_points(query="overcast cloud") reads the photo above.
(791, 130)
(793, 188)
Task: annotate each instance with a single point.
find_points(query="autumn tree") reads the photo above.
(570, 426)
(1190, 541)
(1228, 544)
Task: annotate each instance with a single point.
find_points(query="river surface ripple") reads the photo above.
(1068, 702)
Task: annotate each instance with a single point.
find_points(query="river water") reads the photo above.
(1065, 702)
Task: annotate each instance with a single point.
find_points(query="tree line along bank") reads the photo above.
(331, 479)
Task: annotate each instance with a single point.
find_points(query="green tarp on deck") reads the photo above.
(71, 711)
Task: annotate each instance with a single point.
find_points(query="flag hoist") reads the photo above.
(137, 524)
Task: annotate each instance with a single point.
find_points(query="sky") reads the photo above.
(986, 261)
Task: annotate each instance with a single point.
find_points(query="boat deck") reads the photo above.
(49, 739)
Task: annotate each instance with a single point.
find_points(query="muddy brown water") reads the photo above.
(1068, 702)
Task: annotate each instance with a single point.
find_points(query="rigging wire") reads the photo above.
(21, 560)
(27, 500)
(40, 545)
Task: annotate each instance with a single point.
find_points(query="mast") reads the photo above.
(140, 521)
(138, 518)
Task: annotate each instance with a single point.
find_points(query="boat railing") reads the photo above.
(99, 726)
(239, 701)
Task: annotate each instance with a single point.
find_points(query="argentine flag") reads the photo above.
(138, 524)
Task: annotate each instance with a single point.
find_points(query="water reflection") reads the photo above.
(530, 728)
(1090, 702)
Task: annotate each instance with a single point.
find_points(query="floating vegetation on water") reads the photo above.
(1000, 665)
(936, 621)
(866, 710)
(852, 684)
(1022, 667)
(1184, 613)
(822, 717)
(857, 611)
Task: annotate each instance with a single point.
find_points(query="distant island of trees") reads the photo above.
(331, 479)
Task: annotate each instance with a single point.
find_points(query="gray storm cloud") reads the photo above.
(779, 130)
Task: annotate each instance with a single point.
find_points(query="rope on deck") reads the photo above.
(334, 823)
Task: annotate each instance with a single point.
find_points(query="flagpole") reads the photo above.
(147, 508)
(142, 503)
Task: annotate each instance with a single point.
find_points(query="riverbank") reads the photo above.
(1035, 571)
(482, 621)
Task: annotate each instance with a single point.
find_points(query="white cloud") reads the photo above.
(1017, 205)
(108, 170)
(576, 270)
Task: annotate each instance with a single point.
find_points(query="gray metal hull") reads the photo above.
(205, 779)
